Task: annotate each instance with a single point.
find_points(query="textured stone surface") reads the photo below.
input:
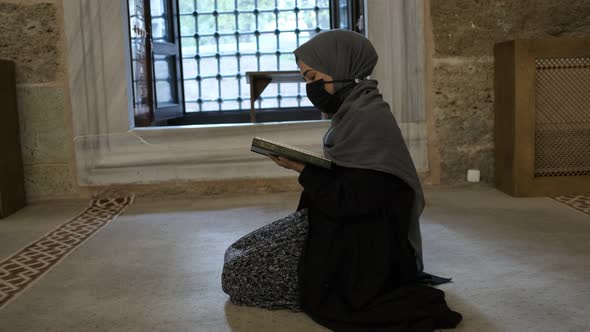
(472, 27)
(45, 131)
(463, 109)
(465, 32)
(29, 35)
(44, 181)
(46, 140)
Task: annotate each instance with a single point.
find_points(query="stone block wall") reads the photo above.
(31, 34)
(465, 32)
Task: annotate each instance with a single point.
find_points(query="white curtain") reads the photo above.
(395, 27)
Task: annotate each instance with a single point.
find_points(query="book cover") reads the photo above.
(267, 147)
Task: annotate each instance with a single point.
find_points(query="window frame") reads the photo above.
(177, 113)
(111, 150)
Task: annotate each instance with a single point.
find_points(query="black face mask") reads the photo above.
(321, 99)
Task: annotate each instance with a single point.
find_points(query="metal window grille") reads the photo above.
(222, 39)
(562, 113)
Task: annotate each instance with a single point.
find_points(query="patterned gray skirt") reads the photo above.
(260, 269)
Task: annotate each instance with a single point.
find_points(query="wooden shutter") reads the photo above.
(156, 62)
(164, 34)
(141, 65)
(348, 14)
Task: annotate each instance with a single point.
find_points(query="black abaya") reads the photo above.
(358, 270)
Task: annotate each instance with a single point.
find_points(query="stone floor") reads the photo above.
(518, 265)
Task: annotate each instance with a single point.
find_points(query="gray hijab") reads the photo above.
(363, 133)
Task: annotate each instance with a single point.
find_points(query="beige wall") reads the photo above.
(31, 34)
(464, 35)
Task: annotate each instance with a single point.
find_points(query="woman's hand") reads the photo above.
(287, 163)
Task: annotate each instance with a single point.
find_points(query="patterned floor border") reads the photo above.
(578, 202)
(27, 266)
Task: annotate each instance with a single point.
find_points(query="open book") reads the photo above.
(267, 147)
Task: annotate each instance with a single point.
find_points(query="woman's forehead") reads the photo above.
(302, 65)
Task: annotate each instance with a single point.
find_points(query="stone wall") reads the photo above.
(31, 34)
(465, 32)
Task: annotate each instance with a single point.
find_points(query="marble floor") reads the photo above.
(517, 264)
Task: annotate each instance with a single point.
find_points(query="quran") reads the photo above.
(267, 147)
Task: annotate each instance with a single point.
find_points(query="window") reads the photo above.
(190, 57)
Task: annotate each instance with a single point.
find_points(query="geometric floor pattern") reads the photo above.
(22, 269)
(578, 202)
